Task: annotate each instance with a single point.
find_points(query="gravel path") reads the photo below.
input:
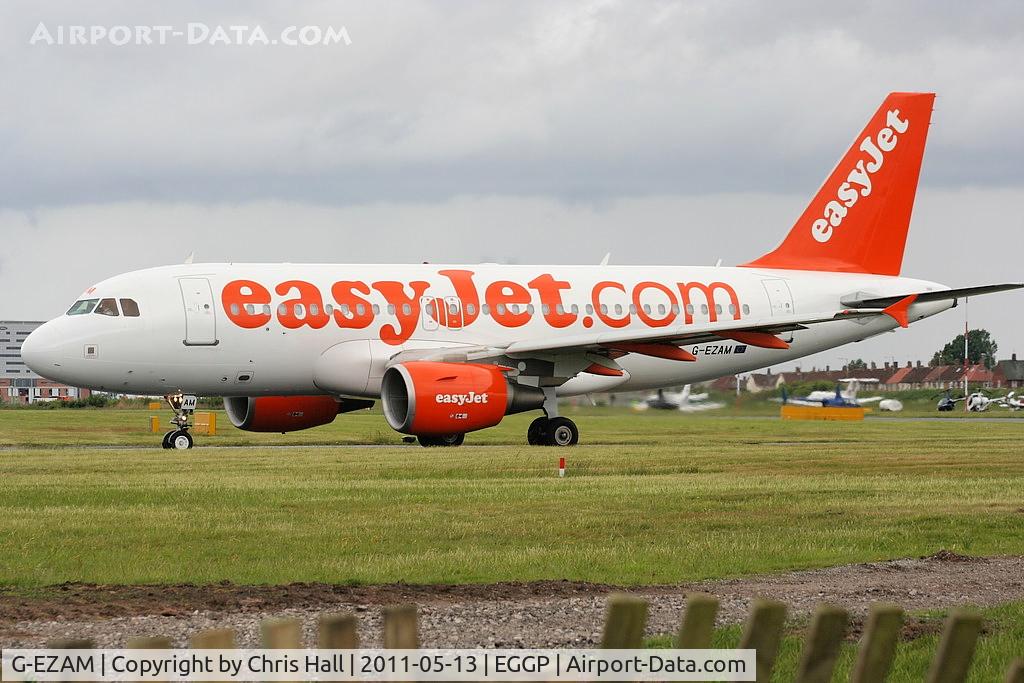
(539, 614)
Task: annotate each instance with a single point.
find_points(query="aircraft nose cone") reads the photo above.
(39, 350)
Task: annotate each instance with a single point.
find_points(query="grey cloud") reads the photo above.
(434, 100)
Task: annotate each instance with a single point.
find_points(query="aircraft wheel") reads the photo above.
(562, 431)
(535, 434)
(443, 440)
(167, 438)
(181, 440)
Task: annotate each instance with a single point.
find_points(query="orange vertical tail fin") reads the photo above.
(858, 221)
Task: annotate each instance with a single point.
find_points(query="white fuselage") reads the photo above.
(228, 340)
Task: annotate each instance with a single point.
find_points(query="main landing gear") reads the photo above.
(183, 407)
(443, 440)
(556, 431)
(552, 430)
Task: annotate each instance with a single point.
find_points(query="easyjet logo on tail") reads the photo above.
(858, 180)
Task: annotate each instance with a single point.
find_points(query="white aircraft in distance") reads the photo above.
(1012, 401)
(684, 401)
(452, 349)
(849, 392)
(841, 398)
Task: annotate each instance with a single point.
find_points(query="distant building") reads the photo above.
(1009, 373)
(18, 384)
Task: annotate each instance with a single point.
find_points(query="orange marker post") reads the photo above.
(561, 467)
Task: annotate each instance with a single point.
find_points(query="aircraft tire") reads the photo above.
(167, 438)
(447, 440)
(181, 440)
(535, 435)
(562, 431)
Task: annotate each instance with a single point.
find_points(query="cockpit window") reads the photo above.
(129, 308)
(107, 307)
(82, 307)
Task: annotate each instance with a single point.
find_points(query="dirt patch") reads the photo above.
(82, 601)
(949, 556)
(536, 614)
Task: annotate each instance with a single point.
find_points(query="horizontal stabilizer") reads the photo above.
(938, 295)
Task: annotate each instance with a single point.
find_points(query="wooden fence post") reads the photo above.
(337, 632)
(213, 639)
(70, 644)
(878, 645)
(401, 631)
(821, 647)
(763, 633)
(698, 622)
(281, 634)
(1015, 674)
(624, 623)
(956, 649)
(150, 643)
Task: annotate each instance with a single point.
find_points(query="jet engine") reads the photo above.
(436, 398)
(286, 413)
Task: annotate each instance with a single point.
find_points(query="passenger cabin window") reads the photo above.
(82, 307)
(107, 307)
(129, 308)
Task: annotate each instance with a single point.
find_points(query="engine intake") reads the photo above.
(286, 413)
(434, 398)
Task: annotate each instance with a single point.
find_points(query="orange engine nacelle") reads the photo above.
(281, 413)
(434, 398)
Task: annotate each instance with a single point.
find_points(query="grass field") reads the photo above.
(88, 495)
(658, 498)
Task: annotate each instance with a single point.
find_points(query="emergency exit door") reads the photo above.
(779, 296)
(200, 317)
(781, 300)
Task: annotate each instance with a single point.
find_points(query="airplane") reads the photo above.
(844, 398)
(684, 401)
(849, 393)
(449, 349)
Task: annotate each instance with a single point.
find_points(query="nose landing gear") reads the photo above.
(183, 407)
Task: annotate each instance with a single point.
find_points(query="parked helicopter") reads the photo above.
(977, 402)
(1012, 401)
(947, 403)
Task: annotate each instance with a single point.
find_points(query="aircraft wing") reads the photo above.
(863, 300)
(676, 334)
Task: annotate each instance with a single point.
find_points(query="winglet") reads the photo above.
(898, 311)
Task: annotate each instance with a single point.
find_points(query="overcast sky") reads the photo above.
(547, 132)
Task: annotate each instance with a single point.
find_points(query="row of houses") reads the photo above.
(1007, 374)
